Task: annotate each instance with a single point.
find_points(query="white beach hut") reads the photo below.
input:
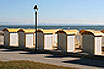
(102, 40)
(27, 39)
(66, 40)
(92, 42)
(10, 37)
(1, 38)
(50, 39)
(77, 37)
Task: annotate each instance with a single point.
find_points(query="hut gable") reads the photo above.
(50, 31)
(102, 31)
(61, 31)
(27, 30)
(10, 29)
(74, 31)
(39, 30)
(30, 30)
(69, 32)
(92, 32)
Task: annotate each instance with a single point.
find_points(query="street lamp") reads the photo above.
(36, 21)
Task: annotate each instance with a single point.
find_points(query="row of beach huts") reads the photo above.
(86, 41)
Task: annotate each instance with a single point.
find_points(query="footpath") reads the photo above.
(68, 61)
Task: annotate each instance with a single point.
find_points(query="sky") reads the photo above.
(52, 12)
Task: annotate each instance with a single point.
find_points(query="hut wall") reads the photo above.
(6, 39)
(34, 37)
(98, 45)
(14, 39)
(62, 42)
(1, 38)
(80, 41)
(29, 40)
(102, 41)
(70, 43)
(48, 39)
(40, 41)
(55, 40)
(88, 44)
(21, 40)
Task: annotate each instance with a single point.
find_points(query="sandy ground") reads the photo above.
(69, 61)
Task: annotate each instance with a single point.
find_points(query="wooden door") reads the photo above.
(14, 39)
(70, 43)
(48, 39)
(29, 40)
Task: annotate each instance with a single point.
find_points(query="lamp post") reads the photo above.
(36, 21)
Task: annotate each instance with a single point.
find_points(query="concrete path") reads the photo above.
(77, 62)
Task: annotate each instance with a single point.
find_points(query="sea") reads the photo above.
(54, 27)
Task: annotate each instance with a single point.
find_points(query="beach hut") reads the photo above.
(102, 40)
(77, 37)
(1, 38)
(92, 42)
(50, 39)
(66, 40)
(27, 38)
(10, 37)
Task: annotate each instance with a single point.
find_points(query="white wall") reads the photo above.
(70, 43)
(48, 41)
(2, 39)
(14, 40)
(55, 40)
(98, 45)
(29, 41)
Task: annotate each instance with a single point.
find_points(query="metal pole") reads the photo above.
(36, 30)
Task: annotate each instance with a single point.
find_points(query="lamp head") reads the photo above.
(35, 7)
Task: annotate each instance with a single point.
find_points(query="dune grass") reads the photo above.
(24, 64)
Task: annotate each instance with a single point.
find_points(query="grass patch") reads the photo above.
(24, 64)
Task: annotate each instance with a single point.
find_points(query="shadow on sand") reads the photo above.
(13, 49)
(87, 62)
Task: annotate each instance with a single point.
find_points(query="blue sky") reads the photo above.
(52, 12)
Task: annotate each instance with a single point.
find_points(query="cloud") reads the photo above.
(71, 21)
(14, 23)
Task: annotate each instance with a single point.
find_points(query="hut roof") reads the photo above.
(50, 30)
(10, 29)
(27, 30)
(74, 31)
(102, 31)
(92, 32)
(30, 30)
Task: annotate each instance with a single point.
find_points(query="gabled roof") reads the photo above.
(27, 30)
(50, 30)
(102, 31)
(72, 31)
(30, 30)
(11, 29)
(92, 32)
